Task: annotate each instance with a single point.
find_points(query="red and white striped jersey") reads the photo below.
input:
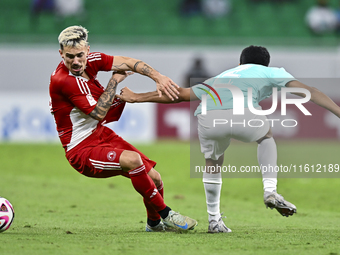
(74, 97)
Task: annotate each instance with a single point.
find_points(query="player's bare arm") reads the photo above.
(185, 94)
(106, 99)
(163, 83)
(317, 97)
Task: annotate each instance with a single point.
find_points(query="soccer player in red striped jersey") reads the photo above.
(81, 105)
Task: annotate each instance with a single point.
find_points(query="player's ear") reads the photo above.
(61, 53)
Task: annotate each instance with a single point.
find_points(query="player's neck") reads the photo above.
(85, 75)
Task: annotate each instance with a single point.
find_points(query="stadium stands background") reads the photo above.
(160, 22)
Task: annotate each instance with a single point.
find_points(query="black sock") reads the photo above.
(153, 223)
(165, 212)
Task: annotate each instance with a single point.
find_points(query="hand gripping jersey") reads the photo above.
(74, 97)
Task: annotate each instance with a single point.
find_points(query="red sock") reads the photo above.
(144, 185)
(151, 213)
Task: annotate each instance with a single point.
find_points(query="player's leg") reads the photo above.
(132, 163)
(260, 132)
(141, 180)
(101, 160)
(212, 182)
(110, 155)
(153, 218)
(267, 158)
(174, 219)
(213, 141)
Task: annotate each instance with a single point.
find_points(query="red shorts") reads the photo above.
(98, 155)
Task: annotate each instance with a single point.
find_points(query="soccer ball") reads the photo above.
(6, 214)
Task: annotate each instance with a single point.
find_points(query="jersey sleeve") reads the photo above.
(279, 77)
(78, 92)
(100, 61)
(115, 111)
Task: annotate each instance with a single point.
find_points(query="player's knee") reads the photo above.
(130, 160)
(135, 160)
(267, 136)
(211, 162)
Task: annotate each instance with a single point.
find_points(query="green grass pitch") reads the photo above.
(59, 211)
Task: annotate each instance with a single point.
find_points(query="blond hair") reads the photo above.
(73, 36)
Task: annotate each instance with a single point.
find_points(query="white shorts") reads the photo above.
(217, 127)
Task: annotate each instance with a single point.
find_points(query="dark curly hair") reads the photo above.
(255, 55)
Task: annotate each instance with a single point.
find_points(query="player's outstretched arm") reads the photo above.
(106, 99)
(163, 83)
(317, 97)
(185, 94)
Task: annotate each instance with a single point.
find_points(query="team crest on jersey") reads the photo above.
(91, 99)
(111, 155)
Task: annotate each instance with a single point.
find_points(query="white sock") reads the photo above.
(267, 158)
(212, 186)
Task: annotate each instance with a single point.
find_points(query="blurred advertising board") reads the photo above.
(25, 117)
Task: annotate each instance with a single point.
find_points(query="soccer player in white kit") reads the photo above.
(253, 72)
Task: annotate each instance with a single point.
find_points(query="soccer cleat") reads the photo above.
(274, 200)
(179, 222)
(218, 227)
(160, 227)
